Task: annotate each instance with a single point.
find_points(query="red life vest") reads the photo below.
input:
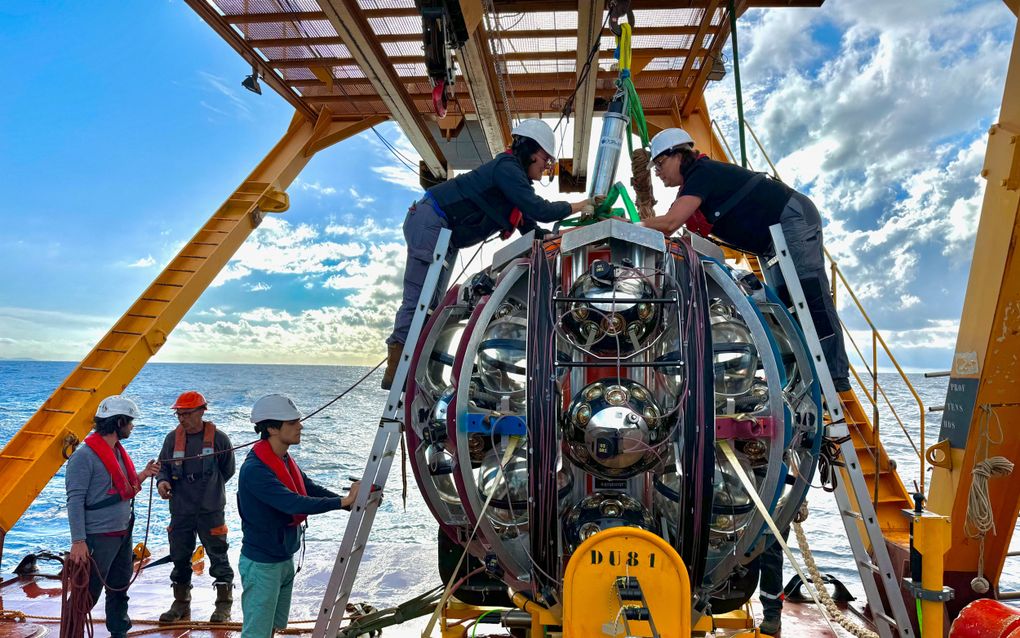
(124, 485)
(208, 447)
(288, 473)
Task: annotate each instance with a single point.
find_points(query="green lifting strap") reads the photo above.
(606, 210)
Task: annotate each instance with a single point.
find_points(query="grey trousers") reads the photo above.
(421, 232)
(802, 226)
(113, 560)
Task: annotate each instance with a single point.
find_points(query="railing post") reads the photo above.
(874, 411)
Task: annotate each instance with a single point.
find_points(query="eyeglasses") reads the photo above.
(660, 160)
(182, 413)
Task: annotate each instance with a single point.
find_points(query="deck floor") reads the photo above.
(38, 597)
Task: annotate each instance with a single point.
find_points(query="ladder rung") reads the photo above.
(870, 565)
(74, 389)
(204, 243)
(191, 257)
(155, 300)
(126, 332)
(91, 369)
(140, 316)
(888, 620)
(850, 514)
(228, 219)
(168, 285)
(189, 272)
(38, 433)
(112, 350)
(16, 458)
(58, 411)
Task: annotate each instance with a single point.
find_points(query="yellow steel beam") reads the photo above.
(36, 451)
(350, 23)
(983, 400)
(477, 69)
(645, 54)
(589, 32)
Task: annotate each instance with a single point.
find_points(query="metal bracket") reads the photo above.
(919, 592)
(939, 455)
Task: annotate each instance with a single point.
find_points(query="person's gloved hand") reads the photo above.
(598, 200)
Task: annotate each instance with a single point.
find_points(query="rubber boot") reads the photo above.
(224, 601)
(393, 352)
(180, 609)
(770, 626)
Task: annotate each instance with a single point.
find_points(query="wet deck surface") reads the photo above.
(38, 598)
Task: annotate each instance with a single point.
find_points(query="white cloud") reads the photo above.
(144, 262)
(259, 287)
(401, 158)
(314, 187)
(360, 200)
(364, 227)
(220, 86)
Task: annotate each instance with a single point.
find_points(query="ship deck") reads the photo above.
(31, 607)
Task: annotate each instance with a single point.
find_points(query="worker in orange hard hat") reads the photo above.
(197, 461)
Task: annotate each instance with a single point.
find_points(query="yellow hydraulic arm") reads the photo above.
(982, 406)
(40, 447)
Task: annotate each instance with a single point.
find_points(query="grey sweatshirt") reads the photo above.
(88, 482)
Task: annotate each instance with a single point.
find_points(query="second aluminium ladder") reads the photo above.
(377, 470)
(877, 576)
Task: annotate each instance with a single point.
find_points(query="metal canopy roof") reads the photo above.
(364, 58)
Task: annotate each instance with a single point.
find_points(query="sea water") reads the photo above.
(401, 558)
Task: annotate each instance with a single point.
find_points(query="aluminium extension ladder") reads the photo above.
(877, 576)
(377, 470)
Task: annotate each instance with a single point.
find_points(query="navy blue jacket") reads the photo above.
(477, 204)
(266, 506)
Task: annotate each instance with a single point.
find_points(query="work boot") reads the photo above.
(842, 384)
(393, 352)
(770, 626)
(180, 609)
(224, 601)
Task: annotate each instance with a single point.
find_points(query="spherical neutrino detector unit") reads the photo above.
(616, 314)
(734, 356)
(612, 427)
(601, 511)
(508, 487)
(502, 354)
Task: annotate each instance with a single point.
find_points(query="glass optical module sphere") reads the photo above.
(502, 355)
(601, 511)
(508, 487)
(603, 325)
(612, 427)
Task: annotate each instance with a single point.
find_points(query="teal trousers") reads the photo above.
(265, 596)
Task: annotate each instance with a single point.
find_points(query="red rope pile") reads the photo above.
(75, 601)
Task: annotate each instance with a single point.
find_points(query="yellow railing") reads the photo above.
(876, 340)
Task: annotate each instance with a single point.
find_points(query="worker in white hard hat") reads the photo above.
(101, 484)
(274, 497)
(737, 206)
(497, 197)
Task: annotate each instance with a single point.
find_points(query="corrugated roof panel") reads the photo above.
(403, 48)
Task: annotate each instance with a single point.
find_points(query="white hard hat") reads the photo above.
(669, 138)
(540, 132)
(115, 406)
(276, 407)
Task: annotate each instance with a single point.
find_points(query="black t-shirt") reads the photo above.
(746, 225)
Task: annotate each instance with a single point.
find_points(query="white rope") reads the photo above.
(816, 578)
(980, 517)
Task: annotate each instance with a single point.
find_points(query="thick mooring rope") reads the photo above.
(819, 584)
(642, 182)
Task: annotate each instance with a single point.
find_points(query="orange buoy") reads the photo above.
(986, 618)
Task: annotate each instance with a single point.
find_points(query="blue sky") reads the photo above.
(121, 132)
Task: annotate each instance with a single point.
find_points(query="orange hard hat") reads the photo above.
(188, 400)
